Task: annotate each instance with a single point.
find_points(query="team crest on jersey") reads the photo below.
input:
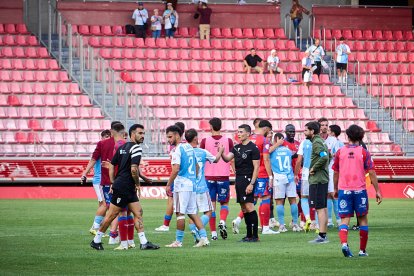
(118, 200)
(244, 156)
(343, 203)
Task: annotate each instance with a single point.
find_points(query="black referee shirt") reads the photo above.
(127, 155)
(244, 156)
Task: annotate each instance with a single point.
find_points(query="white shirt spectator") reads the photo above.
(156, 21)
(316, 52)
(171, 20)
(140, 16)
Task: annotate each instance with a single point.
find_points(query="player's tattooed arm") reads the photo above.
(144, 177)
(135, 174)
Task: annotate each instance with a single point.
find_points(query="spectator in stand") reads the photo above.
(251, 61)
(341, 56)
(306, 69)
(170, 20)
(172, 2)
(296, 14)
(140, 16)
(273, 63)
(156, 21)
(316, 53)
(205, 13)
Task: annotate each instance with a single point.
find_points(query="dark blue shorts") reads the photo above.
(219, 190)
(351, 202)
(261, 188)
(107, 195)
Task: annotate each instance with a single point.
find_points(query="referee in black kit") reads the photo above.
(125, 187)
(247, 160)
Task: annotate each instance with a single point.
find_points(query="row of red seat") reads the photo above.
(387, 91)
(190, 66)
(364, 34)
(29, 64)
(406, 102)
(382, 57)
(10, 28)
(229, 78)
(24, 52)
(236, 90)
(39, 88)
(186, 32)
(228, 113)
(387, 46)
(383, 68)
(40, 137)
(183, 43)
(42, 150)
(248, 101)
(163, 54)
(381, 150)
(376, 79)
(66, 112)
(44, 100)
(18, 40)
(403, 114)
(53, 76)
(54, 125)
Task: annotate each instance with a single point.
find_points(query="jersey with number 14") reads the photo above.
(281, 162)
(184, 156)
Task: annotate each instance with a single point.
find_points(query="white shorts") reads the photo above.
(204, 202)
(304, 188)
(284, 190)
(185, 203)
(307, 77)
(331, 182)
(99, 192)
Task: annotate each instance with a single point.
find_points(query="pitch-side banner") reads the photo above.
(389, 190)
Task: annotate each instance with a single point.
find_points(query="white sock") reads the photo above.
(265, 228)
(222, 221)
(124, 243)
(142, 238)
(329, 221)
(307, 217)
(95, 225)
(98, 237)
(214, 233)
(238, 219)
(131, 242)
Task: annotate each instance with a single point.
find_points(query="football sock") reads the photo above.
(294, 212)
(97, 222)
(312, 213)
(167, 220)
(241, 215)
(280, 209)
(203, 233)
(131, 227)
(124, 243)
(238, 220)
(192, 227)
(98, 237)
(272, 209)
(122, 227)
(322, 235)
(179, 235)
(142, 238)
(224, 212)
(264, 211)
(305, 207)
(335, 208)
(343, 233)
(255, 223)
(213, 222)
(113, 234)
(205, 219)
(330, 210)
(363, 237)
(247, 220)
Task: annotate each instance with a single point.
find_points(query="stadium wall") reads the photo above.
(11, 11)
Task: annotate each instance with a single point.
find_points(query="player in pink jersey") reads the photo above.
(217, 176)
(165, 227)
(351, 163)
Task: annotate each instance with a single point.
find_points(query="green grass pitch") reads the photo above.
(39, 237)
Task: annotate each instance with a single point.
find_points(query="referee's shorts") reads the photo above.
(242, 181)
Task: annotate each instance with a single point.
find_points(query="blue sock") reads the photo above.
(122, 218)
(280, 209)
(194, 231)
(205, 219)
(363, 228)
(179, 235)
(213, 214)
(305, 206)
(203, 233)
(192, 227)
(98, 219)
(166, 217)
(294, 212)
(330, 209)
(335, 207)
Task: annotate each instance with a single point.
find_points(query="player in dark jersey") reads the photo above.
(125, 187)
(247, 161)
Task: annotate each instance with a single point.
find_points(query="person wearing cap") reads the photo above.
(170, 20)
(140, 16)
(273, 63)
(205, 13)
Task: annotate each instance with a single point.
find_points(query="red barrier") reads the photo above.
(398, 190)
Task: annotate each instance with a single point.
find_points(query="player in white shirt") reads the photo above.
(184, 176)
